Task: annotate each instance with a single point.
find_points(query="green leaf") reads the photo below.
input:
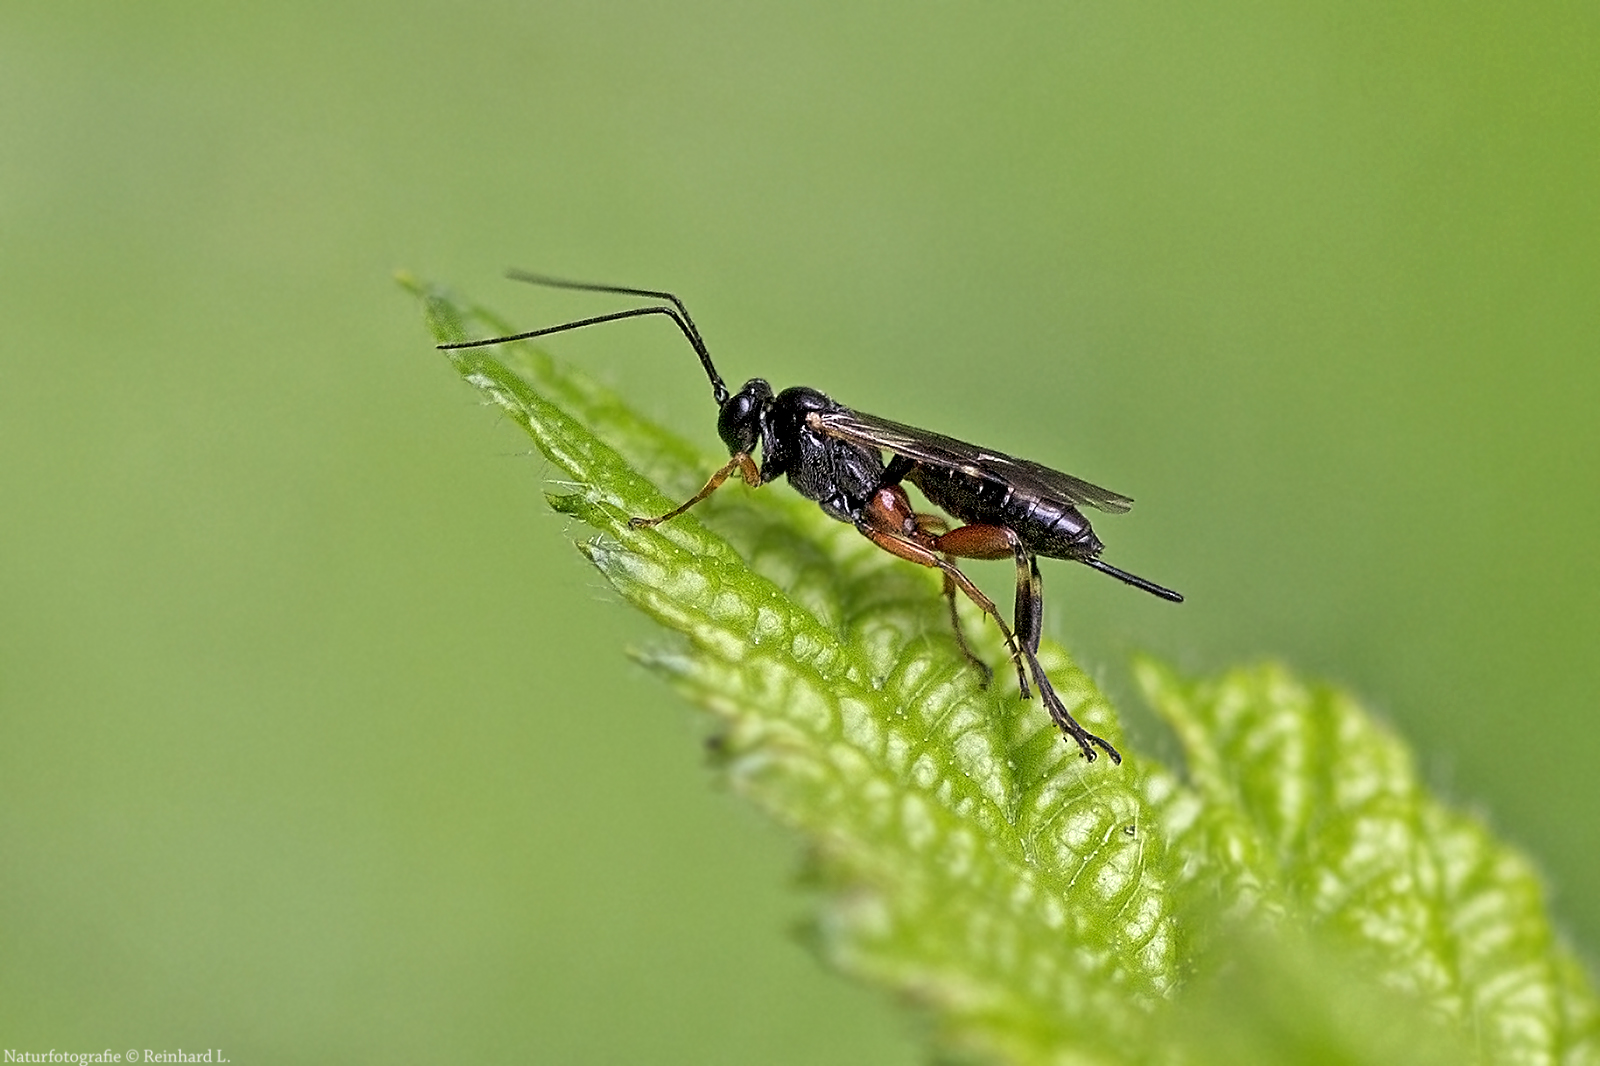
(1312, 821)
(1296, 896)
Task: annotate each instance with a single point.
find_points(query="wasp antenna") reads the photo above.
(682, 318)
(634, 312)
(1135, 580)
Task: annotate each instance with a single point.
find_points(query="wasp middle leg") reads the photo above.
(933, 526)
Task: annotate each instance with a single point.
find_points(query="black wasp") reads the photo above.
(1011, 508)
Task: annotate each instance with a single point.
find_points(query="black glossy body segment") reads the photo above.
(1048, 526)
(838, 474)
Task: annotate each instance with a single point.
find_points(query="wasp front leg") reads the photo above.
(740, 462)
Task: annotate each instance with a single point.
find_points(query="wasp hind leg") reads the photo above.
(896, 543)
(997, 542)
(888, 524)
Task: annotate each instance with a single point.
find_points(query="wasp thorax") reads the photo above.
(739, 422)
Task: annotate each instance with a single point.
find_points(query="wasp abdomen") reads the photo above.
(1046, 525)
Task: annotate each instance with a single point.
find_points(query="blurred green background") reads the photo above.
(318, 738)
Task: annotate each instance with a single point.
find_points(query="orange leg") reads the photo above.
(932, 525)
(740, 462)
(889, 522)
(998, 542)
(896, 543)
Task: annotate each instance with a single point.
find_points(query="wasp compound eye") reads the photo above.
(739, 421)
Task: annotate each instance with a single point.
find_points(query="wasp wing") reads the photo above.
(935, 449)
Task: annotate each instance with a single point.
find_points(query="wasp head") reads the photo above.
(743, 418)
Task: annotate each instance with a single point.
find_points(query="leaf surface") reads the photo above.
(1294, 895)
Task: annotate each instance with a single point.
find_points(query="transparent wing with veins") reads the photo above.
(935, 449)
